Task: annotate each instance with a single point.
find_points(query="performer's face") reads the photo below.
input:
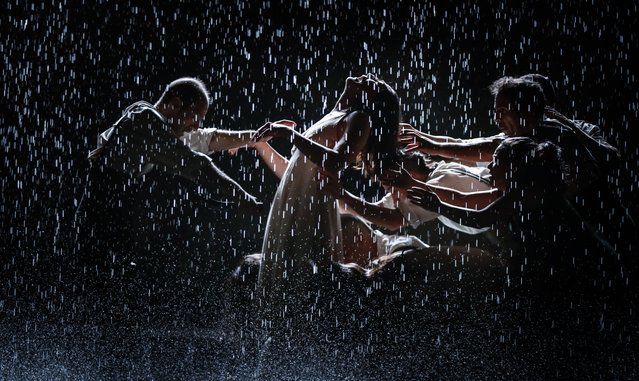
(360, 90)
(511, 121)
(190, 118)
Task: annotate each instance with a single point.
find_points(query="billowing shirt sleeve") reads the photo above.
(199, 140)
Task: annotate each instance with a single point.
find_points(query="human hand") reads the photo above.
(414, 140)
(397, 177)
(280, 129)
(233, 151)
(405, 127)
(552, 113)
(420, 196)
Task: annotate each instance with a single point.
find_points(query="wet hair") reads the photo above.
(385, 114)
(524, 94)
(189, 90)
(546, 86)
(536, 168)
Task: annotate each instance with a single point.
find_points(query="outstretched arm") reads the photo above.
(406, 128)
(375, 213)
(476, 200)
(333, 159)
(218, 182)
(273, 160)
(390, 219)
(173, 156)
(499, 210)
(469, 150)
(223, 140)
(468, 200)
(200, 169)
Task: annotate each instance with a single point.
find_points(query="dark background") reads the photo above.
(70, 68)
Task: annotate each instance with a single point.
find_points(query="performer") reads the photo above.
(304, 225)
(145, 137)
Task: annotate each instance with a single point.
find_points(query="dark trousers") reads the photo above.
(101, 270)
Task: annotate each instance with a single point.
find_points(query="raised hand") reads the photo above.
(554, 114)
(280, 129)
(413, 139)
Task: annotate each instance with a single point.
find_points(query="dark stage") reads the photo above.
(70, 69)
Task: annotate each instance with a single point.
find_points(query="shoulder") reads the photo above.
(144, 113)
(589, 128)
(357, 123)
(551, 124)
(553, 130)
(356, 117)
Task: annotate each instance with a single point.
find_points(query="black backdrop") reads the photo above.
(71, 67)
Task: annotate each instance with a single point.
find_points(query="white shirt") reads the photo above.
(199, 139)
(454, 176)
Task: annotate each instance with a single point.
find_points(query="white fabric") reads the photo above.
(413, 214)
(454, 176)
(459, 177)
(199, 139)
(388, 202)
(392, 243)
(459, 227)
(304, 224)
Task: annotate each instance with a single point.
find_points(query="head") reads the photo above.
(519, 105)
(377, 99)
(546, 86)
(184, 103)
(522, 164)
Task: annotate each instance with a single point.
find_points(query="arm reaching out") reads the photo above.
(406, 129)
(218, 182)
(471, 150)
(468, 150)
(224, 140)
(273, 160)
(391, 219)
(499, 210)
(174, 156)
(333, 159)
(476, 200)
